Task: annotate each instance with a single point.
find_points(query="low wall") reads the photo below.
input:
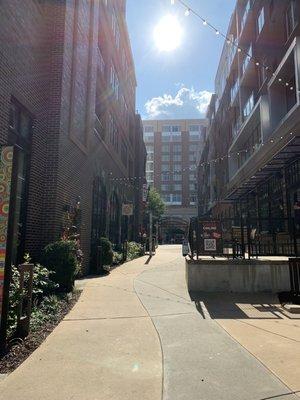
(238, 276)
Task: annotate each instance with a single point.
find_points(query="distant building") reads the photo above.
(173, 149)
(67, 89)
(250, 165)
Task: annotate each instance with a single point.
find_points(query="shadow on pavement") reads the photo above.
(238, 306)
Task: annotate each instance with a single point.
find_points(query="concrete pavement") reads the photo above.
(136, 334)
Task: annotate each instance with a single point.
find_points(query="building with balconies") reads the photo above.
(251, 162)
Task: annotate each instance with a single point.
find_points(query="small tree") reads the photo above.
(155, 203)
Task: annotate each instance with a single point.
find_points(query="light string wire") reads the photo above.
(189, 10)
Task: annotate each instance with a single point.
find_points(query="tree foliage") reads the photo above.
(155, 203)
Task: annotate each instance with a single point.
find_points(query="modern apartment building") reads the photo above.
(173, 149)
(67, 89)
(250, 165)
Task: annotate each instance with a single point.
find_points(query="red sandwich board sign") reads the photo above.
(6, 166)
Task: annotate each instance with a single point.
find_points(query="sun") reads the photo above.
(168, 33)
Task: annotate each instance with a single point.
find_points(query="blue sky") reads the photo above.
(176, 84)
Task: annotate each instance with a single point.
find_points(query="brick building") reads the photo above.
(250, 163)
(173, 149)
(67, 94)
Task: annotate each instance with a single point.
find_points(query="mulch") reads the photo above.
(19, 349)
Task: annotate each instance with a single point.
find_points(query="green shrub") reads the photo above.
(60, 257)
(117, 258)
(134, 250)
(42, 285)
(106, 251)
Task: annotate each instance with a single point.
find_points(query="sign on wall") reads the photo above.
(127, 209)
(211, 237)
(6, 163)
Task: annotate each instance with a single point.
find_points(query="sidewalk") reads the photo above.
(136, 334)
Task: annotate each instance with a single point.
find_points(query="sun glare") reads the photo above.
(168, 33)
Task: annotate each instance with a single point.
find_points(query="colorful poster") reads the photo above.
(6, 163)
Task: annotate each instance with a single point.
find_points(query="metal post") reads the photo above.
(150, 232)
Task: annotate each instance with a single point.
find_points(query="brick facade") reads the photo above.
(49, 63)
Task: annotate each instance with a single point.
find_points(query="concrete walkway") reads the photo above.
(136, 334)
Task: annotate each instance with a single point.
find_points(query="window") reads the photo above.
(247, 59)
(148, 136)
(192, 187)
(193, 199)
(149, 149)
(165, 148)
(176, 157)
(177, 168)
(165, 176)
(150, 157)
(193, 147)
(234, 90)
(171, 133)
(149, 166)
(176, 199)
(165, 157)
(114, 82)
(244, 19)
(261, 20)
(177, 148)
(176, 136)
(165, 167)
(177, 187)
(290, 19)
(193, 157)
(149, 176)
(194, 128)
(248, 106)
(124, 151)
(148, 128)
(101, 63)
(192, 176)
(171, 128)
(166, 137)
(166, 198)
(177, 177)
(165, 188)
(112, 131)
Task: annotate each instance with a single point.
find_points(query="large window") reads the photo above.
(261, 20)
(114, 82)
(290, 18)
(20, 132)
(148, 136)
(165, 157)
(177, 157)
(248, 106)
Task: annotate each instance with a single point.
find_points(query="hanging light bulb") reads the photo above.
(187, 12)
(217, 32)
(204, 23)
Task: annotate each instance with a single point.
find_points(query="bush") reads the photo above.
(60, 257)
(42, 285)
(107, 254)
(134, 250)
(117, 258)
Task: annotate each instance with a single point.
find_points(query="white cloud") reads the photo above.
(187, 103)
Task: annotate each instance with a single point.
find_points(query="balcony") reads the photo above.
(283, 93)
(260, 114)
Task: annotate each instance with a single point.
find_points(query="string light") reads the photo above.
(189, 10)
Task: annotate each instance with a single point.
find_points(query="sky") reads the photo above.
(177, 83)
